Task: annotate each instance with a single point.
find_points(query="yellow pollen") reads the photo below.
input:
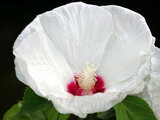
(86, 79)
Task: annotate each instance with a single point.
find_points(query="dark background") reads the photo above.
(15, 15)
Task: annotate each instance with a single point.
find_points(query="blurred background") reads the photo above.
(16, 14)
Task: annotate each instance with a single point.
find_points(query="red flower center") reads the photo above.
(74, 88)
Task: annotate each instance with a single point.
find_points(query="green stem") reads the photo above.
(58, 116)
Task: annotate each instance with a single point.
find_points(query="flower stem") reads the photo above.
(58, 116)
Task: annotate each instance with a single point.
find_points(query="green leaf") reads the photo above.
(12, 112)
(134, 108)
(107, 115)
(52, 114)
(33, 107)
(37, 115)
(33, 102)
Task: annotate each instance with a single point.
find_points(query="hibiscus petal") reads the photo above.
(79, 31)
(151, 92)
(128, 49)
(41, 66)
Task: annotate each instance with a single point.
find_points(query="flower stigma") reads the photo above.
(87, 82)
(87, 79)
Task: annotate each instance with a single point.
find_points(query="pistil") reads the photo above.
(87, 79)
(87, 82)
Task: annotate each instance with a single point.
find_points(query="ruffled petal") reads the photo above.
(128, 51)
(79, 31)
(40, 65)
(151, 92)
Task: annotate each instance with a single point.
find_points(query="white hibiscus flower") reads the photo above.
(87, 58)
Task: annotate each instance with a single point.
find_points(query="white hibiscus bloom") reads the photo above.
(87, 58)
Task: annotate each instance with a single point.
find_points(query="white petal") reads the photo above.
(151, 92)
(81, 106)
(128, 49)
(79, 31)
(41, 66)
